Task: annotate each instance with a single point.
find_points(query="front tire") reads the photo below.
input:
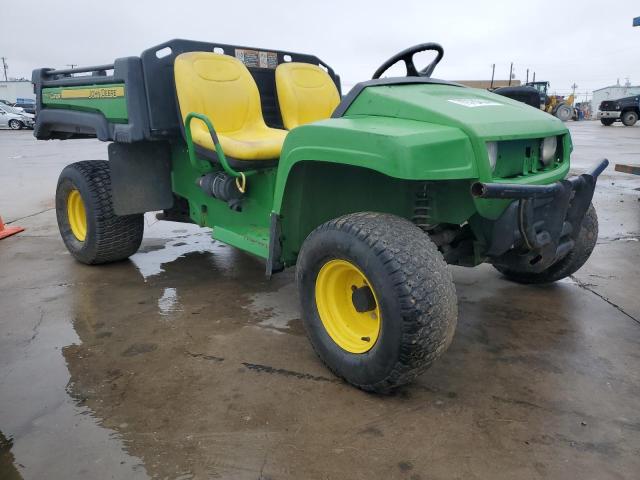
(571, 263)
(90, 229)
(378, 300)
(629, 118)
(607, 122)
(16, 124)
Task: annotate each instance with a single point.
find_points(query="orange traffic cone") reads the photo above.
(8, 231)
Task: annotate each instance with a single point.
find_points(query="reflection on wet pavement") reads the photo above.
(168, 302)
(152, 256)
(36, 407)
(8, 470)
(280, 307)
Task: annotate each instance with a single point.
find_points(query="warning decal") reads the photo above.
(474, 102)
(257, 58)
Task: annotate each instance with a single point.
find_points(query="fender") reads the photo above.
(398, 148)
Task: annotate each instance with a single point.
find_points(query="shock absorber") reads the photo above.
(422, 208)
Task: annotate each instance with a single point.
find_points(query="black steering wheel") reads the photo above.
(407, 57)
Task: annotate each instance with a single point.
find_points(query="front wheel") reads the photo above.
(16, 124)
(90, 229)
(607, 122)
(568, 265)
(378, 300)
(629, 118)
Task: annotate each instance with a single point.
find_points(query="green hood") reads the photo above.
(479, 113)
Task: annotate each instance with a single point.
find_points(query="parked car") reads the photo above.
(29, 107)
(14, 118)
(625, 110)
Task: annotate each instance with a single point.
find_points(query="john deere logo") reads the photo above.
(93, 93)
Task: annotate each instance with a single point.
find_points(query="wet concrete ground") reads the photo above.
(185, 363)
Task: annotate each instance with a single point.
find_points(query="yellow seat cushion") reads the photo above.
(221, 87)
(249, 144)
(306, 93)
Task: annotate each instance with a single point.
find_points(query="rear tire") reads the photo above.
(575, 259)
(629, 118)
(90, 229)
(16, 124)
(564, 112)
(414, 299)
(607, 122)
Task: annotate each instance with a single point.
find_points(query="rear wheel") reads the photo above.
(378, 300)
(629, 118)
(575, 259)
(16, 124)
(90, 229)
(564, 112)
(607, 122)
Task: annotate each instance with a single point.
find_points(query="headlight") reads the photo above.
(492, 152)
(548, 150)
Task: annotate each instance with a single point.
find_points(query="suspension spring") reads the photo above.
(422, 208)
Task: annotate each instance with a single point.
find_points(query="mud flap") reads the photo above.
(140, 177)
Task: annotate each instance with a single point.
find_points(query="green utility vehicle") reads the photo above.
(369, 195)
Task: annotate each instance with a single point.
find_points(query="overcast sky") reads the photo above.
(588, 42)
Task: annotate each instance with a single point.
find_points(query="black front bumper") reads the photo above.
(542, 224)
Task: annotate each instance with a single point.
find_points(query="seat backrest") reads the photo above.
(218, 86)
(306, 93)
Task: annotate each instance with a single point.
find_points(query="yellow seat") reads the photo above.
(221, 87)
(306, 93)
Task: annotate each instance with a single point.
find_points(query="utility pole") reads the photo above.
(534, 77)
(4, 67)
(573, 88)
(493, 72)
(71, 65)
(527, 76)
(510, 73)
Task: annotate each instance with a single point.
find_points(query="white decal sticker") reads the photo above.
(474, 102)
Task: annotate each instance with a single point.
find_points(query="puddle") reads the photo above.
(152, 262)
(46, 432)
(8, 469)
(178, 239)
(278, 309)
(168, 302)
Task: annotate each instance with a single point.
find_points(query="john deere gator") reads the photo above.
(369, 195)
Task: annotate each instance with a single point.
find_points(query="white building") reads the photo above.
(15, 89)
(613, 92)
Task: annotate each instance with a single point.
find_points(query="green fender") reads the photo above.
(398, 148)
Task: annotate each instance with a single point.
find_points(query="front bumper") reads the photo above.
(608, 114)
(542, 224)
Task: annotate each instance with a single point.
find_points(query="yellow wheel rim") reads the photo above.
(77, 215)
(340, 290)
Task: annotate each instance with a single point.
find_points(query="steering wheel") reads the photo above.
(407, 57)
